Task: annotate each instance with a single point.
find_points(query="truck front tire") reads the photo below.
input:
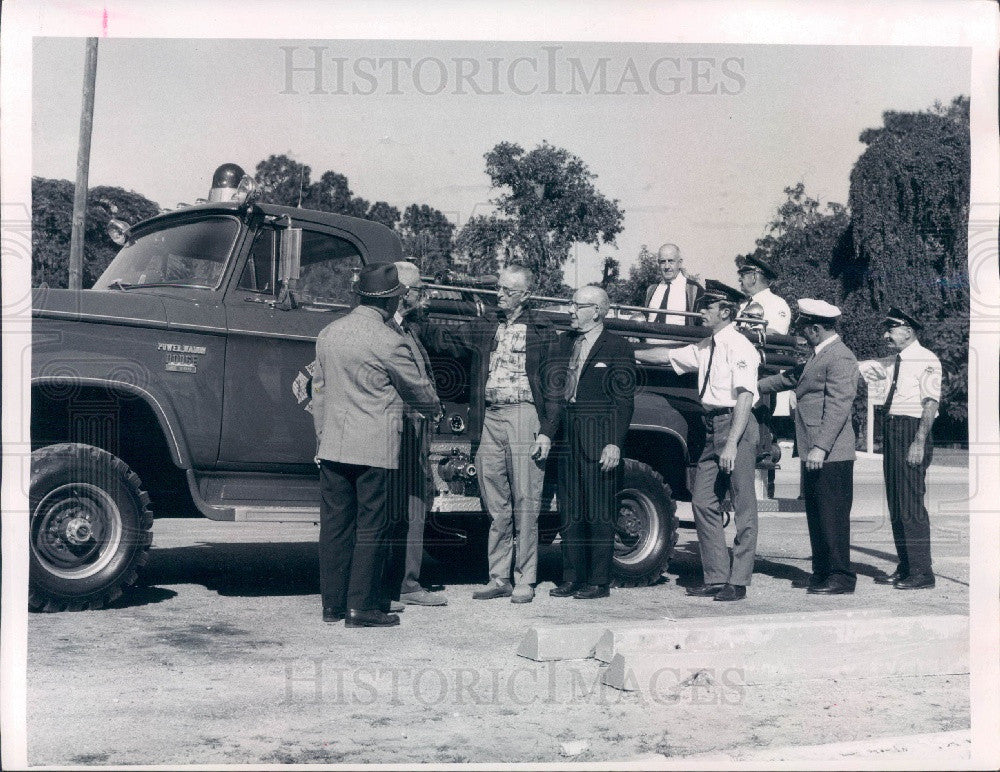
(646, 529)
(89, 527)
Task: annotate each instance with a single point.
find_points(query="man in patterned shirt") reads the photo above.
(513, 416)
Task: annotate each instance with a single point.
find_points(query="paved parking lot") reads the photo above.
(221, 657)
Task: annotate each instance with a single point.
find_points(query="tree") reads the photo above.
(909, 201)
(427, 236)
(642, 273)
(548, 203)
(287, 182)
(51, 224)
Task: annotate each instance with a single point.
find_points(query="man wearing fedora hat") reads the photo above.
(825, 386)
(726, 363)
(911, 405)
(364, 378)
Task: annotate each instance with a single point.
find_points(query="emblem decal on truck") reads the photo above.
(180, 357)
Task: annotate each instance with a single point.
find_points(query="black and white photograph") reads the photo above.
(558, 384)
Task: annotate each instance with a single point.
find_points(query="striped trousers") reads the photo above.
(904, 491)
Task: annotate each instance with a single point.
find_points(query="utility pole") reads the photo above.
(83, 168)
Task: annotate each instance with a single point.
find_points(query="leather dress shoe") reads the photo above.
(915, 582)
(592, 591)
(731, 592)
(330, 615)
(808, 581)
(884, 578)
(564, 590)
(494, 590)
(373, 618)
(704, 590)
(833, 585)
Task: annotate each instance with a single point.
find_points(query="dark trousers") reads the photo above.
(409, 488)
(352, 536)
(829, 495)
(904, 490)
(587, 507)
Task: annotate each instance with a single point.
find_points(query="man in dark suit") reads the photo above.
(675, 291)
(600, 382)
(412, 485)
(825, 386)
(364, 375)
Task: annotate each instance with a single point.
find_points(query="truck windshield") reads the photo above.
(192, 254)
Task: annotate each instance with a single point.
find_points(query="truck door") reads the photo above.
(265, 422)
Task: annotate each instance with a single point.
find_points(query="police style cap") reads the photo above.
(899, 318)
(379, 280)
(716, 291)
(756, 263)
(812, 310)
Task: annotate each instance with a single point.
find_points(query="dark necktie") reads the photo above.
(393, 324)
(662, 318)
(892, 386)
(573, 375)
(708, 370)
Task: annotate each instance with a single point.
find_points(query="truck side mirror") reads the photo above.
(289, 263)
(290, 254)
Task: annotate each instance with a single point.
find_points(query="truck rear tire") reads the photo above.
(646, 530)
(90, 528)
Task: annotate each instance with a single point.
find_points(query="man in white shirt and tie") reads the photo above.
(726, 363)
(911, 404)
(675, 292)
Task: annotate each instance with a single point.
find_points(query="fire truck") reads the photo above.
(179, 384)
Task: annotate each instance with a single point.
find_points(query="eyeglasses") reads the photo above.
(746, 270)
(509, 291)
(578, 306)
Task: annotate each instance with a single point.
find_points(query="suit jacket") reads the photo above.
(365, 376)
(478, 337)
(692, 294)
(825, 386)
(605, 394)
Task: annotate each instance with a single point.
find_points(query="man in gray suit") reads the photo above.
(825, 386)
(365, 375)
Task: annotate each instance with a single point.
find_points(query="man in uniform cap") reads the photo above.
(911, 404)
(755, 277)
(364, 376)
(726, 363)
(825, 386)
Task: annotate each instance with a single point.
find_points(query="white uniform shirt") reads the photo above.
(676, 300)
(777, 314)
(919, 378)
(733, 369)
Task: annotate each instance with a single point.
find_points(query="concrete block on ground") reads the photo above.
(544, 644)
(750, 652)
(678, 632)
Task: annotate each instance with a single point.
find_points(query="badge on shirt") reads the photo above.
(742, 364)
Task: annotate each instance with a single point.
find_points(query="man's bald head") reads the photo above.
(590, 305)
(670, 261)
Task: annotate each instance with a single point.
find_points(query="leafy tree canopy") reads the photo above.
(52, 224)
(547, 202)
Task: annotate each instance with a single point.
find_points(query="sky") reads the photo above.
(409, 122)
